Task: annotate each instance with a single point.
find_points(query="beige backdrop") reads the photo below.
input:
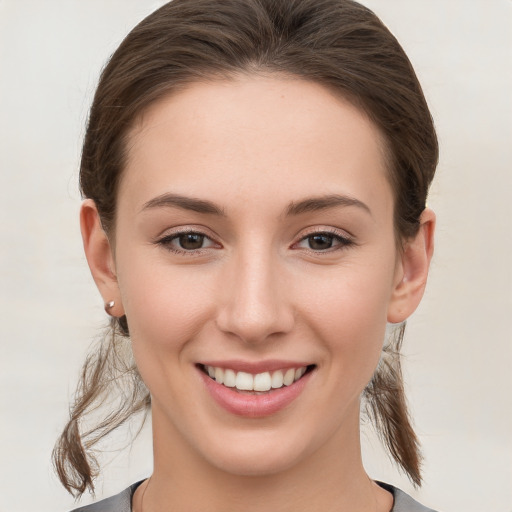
(459, 344)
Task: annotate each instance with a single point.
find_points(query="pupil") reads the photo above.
(320, 242)
(191, 241)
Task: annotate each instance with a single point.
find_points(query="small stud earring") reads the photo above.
(109, 306)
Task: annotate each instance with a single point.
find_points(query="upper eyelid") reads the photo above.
(177, 231)
(329, 230)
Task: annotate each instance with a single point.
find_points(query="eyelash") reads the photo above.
(167, 241)
(342, 242)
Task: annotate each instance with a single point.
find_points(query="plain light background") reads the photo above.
(458, 350)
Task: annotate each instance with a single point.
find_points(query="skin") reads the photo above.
(257, 289)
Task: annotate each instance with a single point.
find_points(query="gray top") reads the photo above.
(122, 502)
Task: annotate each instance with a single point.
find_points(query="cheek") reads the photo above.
(349, 314)
(165, 307)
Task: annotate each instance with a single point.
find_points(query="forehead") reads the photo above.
(254, 135)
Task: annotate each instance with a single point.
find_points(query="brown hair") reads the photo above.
(338, 43)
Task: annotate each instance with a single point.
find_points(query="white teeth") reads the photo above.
(260, 382)
(277, 379)
(229, 378)
(289, 377)
(244, 381)
(219, 375)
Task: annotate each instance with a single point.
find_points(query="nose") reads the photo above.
(255, 304)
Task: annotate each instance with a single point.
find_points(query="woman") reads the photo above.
(255, 175)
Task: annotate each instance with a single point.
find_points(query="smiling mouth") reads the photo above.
(244, 382)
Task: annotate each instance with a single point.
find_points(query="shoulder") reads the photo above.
(121, 502)
(403, 502)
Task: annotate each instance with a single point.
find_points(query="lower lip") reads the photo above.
(254, 406)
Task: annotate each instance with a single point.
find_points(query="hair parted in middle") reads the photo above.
(339, 44)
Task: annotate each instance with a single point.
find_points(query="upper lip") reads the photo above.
(255, 367)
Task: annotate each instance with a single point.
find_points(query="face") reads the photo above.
(256, 263)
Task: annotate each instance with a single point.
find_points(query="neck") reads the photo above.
(328, 480)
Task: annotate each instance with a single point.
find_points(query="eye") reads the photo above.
(324, 241)
(190, 241)
(186, 242)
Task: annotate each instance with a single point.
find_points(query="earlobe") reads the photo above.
(99, 257)
(414, 266)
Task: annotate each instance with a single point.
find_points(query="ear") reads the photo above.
(412, 270)
(100, 257)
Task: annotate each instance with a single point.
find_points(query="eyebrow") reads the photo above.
(313, 204)
(310, 204)
(185, 203)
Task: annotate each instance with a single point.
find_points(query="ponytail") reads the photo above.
(109, 376)
(387, 408)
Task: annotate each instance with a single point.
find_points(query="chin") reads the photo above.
(257, 457)
(258, 465)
